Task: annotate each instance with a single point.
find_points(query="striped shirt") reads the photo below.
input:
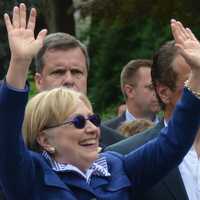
(99, 167)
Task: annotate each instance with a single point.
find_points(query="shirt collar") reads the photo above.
(99, 167)
(130, 117)
(165, 122)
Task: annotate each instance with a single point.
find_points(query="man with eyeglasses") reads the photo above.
(139, 94)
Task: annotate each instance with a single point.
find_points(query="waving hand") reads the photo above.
(23, 44)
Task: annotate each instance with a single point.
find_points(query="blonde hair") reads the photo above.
(134, 127)
(49, 108)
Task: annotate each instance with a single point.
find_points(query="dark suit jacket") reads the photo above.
(115, 122)
(109, 136)
(169, 188)
(127, 145)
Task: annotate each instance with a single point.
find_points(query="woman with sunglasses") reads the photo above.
(61, 159)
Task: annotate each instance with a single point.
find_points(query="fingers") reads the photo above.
(22, 13)
(181, 33)
(41, 35)
(178, 31)
(32, 19)
(19, 18)
(15, 19)
(7, 22)
(192, 36)
(175, 30)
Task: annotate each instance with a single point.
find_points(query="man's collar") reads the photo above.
(129, 116)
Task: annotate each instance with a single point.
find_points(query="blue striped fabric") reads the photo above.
(99, 167)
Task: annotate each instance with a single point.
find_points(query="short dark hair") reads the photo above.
(162, 70)
(60, 41)
(130, 70)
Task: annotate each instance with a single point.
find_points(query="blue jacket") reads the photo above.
(26, 175)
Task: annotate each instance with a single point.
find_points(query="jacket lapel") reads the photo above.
(173, 180)
(119, 120)
(50, 177)
(174, 183)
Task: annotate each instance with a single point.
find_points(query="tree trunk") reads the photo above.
(59, 15)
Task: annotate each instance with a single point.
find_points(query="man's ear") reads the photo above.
(38, 81)
(44, 142)
(164, 93)
(129, 91)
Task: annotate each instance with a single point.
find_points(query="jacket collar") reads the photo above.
(54, 179)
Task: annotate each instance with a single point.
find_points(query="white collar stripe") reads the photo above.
(99, 167)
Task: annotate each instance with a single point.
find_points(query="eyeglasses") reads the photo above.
(79, 121)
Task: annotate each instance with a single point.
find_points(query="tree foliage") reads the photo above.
(120, 31)
(125, 30)
(54, 15)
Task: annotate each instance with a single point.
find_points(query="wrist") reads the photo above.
(17, 72)
(191, 85)
(20, 61)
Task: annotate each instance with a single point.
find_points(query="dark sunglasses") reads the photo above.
(80, 121)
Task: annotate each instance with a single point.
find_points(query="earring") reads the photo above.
(52, 150)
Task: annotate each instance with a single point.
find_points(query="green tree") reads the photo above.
(124, 30)
(53, 15)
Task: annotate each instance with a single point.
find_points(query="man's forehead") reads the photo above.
(65, 68)
(60, 59)
(53, 51)
(144, 73)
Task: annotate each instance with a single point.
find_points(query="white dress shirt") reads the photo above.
(190, 173)
(130, 117)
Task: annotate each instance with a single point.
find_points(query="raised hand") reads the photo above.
(23, 44)
(188, 44)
